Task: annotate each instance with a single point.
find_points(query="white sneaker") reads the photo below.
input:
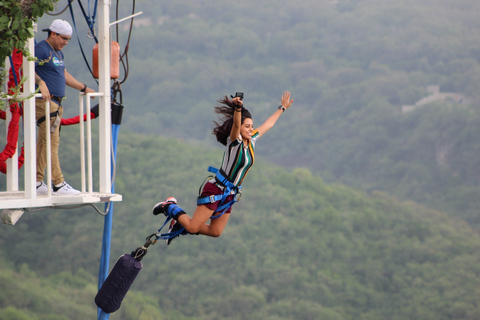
(64, 189)
(42, 188)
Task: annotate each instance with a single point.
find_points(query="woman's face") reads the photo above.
(246, 129)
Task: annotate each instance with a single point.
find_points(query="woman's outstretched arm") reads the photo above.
(270, 122)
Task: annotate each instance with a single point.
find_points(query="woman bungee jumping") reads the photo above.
(235, 131)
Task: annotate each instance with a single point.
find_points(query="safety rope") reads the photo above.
(124, 56)
(13, 68)
(78, 38)
(16, 61)
(90, 19)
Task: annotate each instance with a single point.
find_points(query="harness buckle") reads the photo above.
(238, 194)
(212, 198)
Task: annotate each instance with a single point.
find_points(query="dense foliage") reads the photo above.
(295, 248)
(16, 24)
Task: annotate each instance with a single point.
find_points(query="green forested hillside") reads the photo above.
(350, 65)
(295, 248)
(300, 244)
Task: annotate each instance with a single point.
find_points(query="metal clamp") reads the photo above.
(238, 195)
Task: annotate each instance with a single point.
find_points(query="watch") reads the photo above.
(280, 107)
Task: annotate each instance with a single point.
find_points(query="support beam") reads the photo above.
(30, 164)
(104, 87)
(10, 216)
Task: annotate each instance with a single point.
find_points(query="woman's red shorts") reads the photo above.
(211, 189)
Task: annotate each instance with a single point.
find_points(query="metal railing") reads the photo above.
(89, 173)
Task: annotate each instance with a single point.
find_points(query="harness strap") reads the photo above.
(42, 119)
(210, 199)
(228, 188)
(168, 235)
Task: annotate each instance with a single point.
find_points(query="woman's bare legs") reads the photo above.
(197, 224)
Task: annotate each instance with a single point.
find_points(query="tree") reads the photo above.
(16, 25)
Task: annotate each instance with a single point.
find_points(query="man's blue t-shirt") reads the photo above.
(52, 71)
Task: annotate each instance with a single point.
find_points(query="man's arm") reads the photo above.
(75, 84)
(43, 87)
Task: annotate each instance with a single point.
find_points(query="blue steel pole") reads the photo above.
(107, 229)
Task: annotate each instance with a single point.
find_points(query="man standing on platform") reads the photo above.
(51, 76)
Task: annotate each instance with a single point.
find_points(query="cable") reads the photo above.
(124, 56)
(78, 39)
(62, 11)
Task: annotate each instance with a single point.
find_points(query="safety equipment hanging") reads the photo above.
(111, 294)
(114, 60)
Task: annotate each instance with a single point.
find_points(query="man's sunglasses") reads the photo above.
(63, 37)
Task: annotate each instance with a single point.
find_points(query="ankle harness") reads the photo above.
(164, 236)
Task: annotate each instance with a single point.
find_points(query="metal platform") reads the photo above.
(17, 200)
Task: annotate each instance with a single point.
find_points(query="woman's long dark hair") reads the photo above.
(226, 111)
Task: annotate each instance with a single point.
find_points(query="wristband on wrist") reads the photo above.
(84, 88)
(280, 107)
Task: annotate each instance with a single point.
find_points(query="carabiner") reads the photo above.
(89, 34)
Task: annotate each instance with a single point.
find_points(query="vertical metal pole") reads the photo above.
(49, 147)
(82, 141)
(104, 87)
(89, 147)
(30, 164)
(12, 163)
(105, 137)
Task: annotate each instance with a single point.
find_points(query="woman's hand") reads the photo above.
(286, 102)
(237, 101)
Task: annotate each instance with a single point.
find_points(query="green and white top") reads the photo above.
(238, 158)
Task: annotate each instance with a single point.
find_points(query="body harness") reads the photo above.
(53, 114)
(228, 189)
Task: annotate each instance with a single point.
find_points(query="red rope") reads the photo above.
(15, 109)
(75, 120)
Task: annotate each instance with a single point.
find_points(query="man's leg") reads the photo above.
(57, 176)
(41, 140)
